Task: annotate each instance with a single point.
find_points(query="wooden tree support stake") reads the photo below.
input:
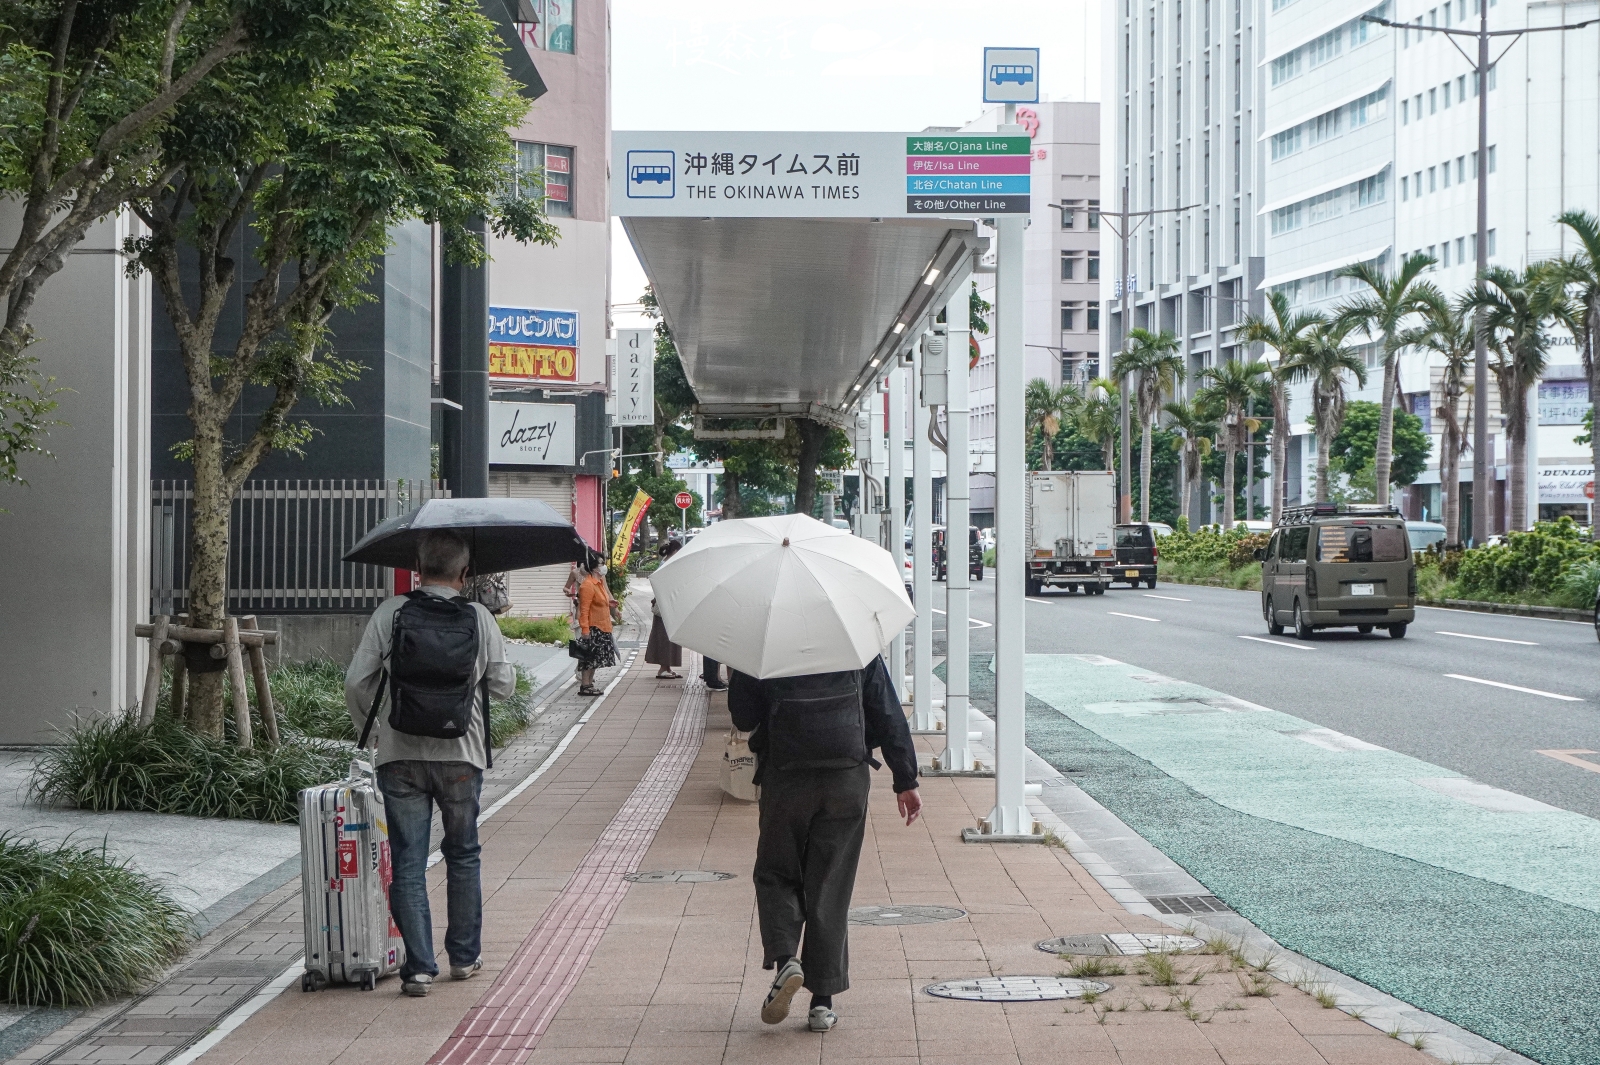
(258, 675)
(152, 673)
(241, 701)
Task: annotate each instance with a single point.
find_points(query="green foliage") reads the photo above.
(537, 630)
(77, 927)
(1537, 561)
(1164, 460)
(113, 763)
(661, 488)
(1357, 442)
(1588, 428)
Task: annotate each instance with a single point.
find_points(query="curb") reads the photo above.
(1526, 610)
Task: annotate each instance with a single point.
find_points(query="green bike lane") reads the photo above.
(1479, 905)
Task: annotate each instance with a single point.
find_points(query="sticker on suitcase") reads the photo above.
(349, 859)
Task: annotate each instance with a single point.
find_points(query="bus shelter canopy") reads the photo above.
(796, 316)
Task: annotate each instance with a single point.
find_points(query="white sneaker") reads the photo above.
(465, 972)
(417, 985)
(822, 1018)
(784, 988)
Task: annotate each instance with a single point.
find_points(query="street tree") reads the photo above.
(1229, 388)
(1324, 360)
(1046, 408)
(1195, 427)
(1154, 363)
(309, 165)
(1581, 272)
(1356, 444)
(86, 89)
(1518, 310)
(1099, 417)
(1285, 333)
(1383, 312)
(1447, 329)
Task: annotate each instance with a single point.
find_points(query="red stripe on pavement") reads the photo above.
(506, 1024)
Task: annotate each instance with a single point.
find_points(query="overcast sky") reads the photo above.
(856, 65)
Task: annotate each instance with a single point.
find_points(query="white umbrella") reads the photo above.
(783, 596)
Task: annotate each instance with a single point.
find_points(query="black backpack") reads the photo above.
(816, 722)
(433, 656)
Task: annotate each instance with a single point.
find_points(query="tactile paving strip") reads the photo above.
(505, 1026)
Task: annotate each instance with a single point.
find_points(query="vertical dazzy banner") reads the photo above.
(635, 379)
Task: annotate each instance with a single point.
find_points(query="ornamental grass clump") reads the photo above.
(77, 927)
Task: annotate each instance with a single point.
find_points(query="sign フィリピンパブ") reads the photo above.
(528, 343)
(532, 434)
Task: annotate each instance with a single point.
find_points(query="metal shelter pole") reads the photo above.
(897, 510)
(1482, 457)
(958, 517)
(1010, 816)
(921, 554)
(1124, 416)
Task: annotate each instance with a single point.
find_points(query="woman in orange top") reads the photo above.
(595, 609)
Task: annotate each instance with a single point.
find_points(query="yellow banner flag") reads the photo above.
(630, 526)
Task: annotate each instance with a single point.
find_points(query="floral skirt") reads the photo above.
(601, 651)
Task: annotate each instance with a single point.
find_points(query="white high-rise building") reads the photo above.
(1180, 122)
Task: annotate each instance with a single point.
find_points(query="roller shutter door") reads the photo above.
(537, 592)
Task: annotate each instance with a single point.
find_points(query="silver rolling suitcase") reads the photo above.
(345, 870)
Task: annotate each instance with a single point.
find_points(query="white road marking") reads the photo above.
(1279, 643)
(1518, 617)
(1483, 796)
(970, 621)
(1031, 599)
(1492, 639)
(1136, 617)
(1515, 688)
(1173, 598)
(1570, 758)
(1329, 740)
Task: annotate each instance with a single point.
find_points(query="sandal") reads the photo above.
(588, 691)
(669, 675)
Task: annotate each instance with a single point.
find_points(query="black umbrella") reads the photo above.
(504, 533)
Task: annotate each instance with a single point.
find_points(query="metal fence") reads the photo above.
(287, 539)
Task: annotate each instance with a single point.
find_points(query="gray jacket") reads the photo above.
(361, 686)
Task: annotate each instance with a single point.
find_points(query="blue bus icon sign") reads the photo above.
(650, 175)
(1011, 75)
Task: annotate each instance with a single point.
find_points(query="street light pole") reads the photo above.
(1482, 460)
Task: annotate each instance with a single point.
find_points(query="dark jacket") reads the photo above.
(750, 702)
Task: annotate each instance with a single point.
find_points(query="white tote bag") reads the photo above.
(739, 768)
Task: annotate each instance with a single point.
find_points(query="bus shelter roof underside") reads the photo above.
(792, 316)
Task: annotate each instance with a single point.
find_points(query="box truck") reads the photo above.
(1071, 517)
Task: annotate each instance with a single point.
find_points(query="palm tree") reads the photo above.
(1517, 308)
(1193, 421)
(1448, 330)
(1099, 416)
(1154, 358)
(1582, 270)
(1232, 383)
(1284, 333)
(1324, 362)
(1046, 409)
(1383, 313)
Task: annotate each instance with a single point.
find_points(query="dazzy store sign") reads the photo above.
(533, 434)
(817, 175)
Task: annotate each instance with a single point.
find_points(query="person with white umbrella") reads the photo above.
(802, 613)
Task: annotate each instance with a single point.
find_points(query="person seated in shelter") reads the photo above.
(813, 738)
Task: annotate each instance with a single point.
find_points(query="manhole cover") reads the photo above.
(1121, 943)
(677, 876)
(1016, 988)
(893, 915)
(1187, 904)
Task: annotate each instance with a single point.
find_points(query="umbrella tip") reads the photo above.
(785, 541)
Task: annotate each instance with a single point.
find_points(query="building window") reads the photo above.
(553, 165)
(1491, 158)
(1067, 266)
(1461, 89)
(1094, 268)
(1444, 255)
(1067, 315)
(1445, 89)
(1461, 169)
(1444, 175)
(1094, 205)
(1093, 314)
(551, 29)
(1491, 234)
(1285, 219)
(1069, 212)
(1405, 189)
(1433, 179)
(1405, 112)
(1461, 249)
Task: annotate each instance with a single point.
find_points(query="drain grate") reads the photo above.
(884, 916)
(1125, 943)
(677, 876)
(1016, 988)
(1188, 904)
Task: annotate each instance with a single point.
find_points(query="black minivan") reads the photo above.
(1135, 547)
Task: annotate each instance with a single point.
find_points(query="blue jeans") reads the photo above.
(410, 788)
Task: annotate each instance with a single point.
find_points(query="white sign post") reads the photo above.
(635, 381)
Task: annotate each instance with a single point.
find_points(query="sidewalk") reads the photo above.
(583, 966)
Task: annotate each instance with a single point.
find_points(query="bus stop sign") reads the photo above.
(1011, 75)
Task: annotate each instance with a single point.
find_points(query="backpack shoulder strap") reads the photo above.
(372, 715)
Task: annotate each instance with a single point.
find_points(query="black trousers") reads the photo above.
(711, 672)
(812, 823)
